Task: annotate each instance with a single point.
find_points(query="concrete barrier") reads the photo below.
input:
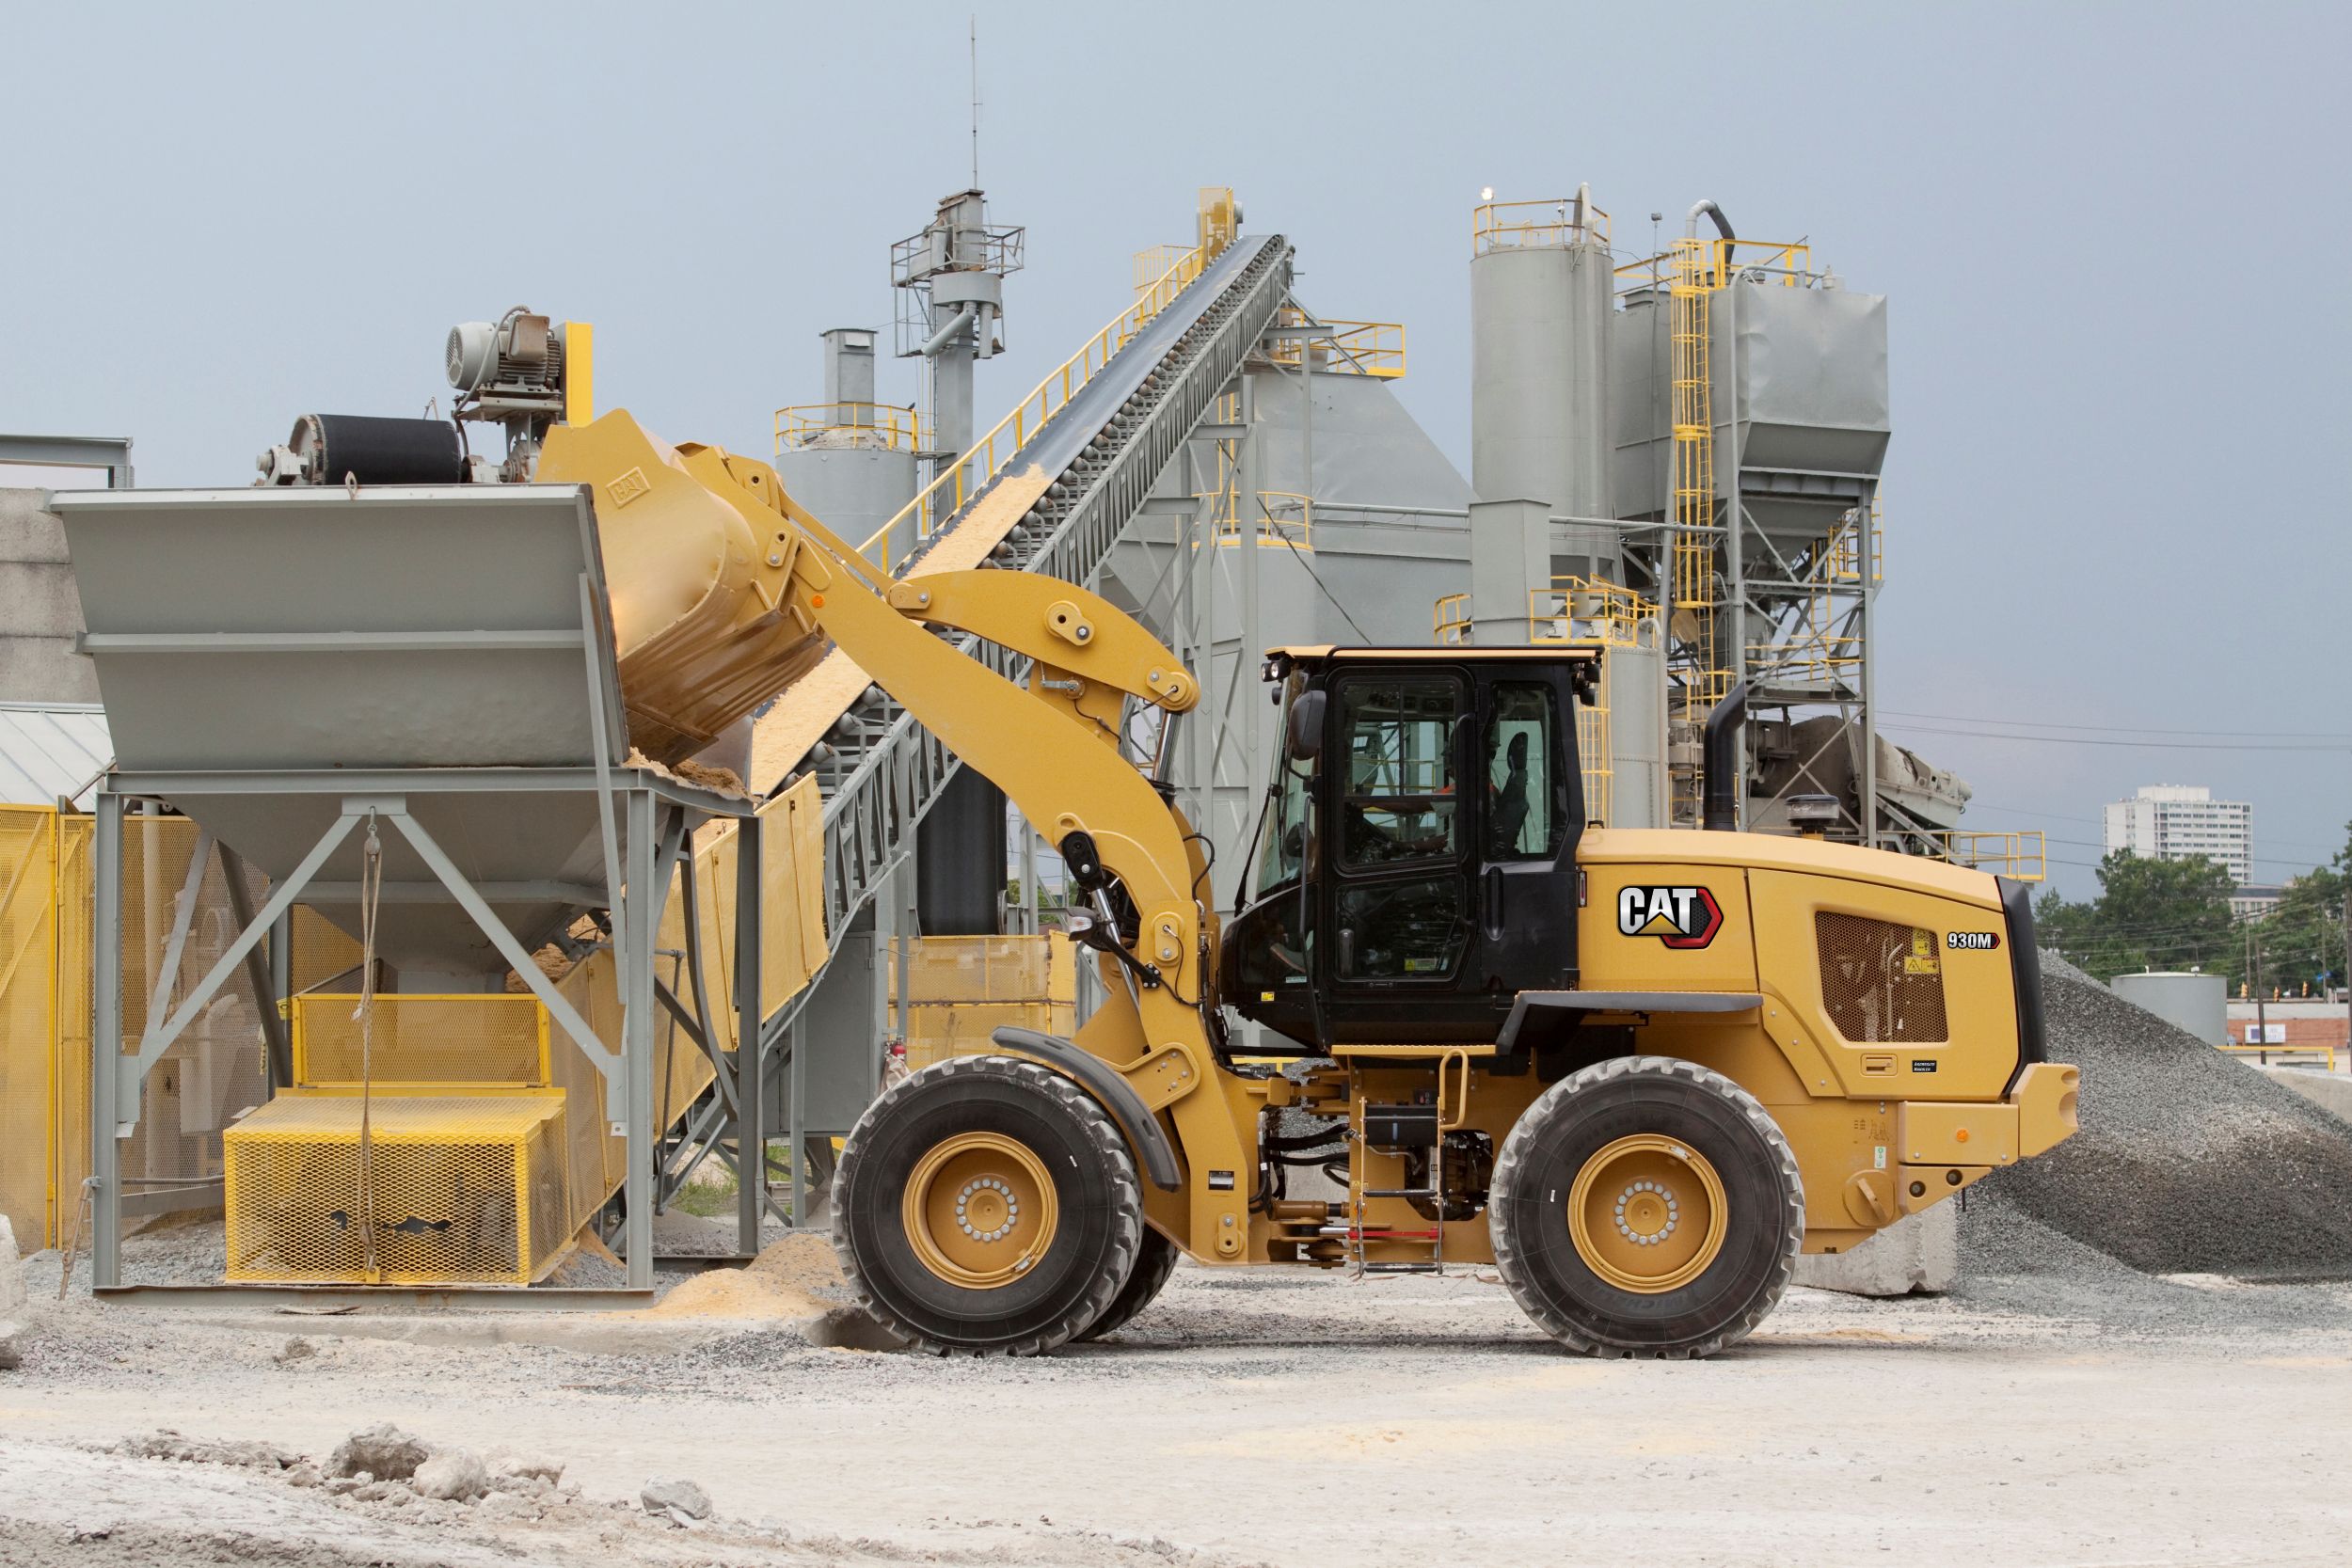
(2329, 1091)
(1917, 1254)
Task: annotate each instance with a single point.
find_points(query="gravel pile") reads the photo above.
(2189, 1161)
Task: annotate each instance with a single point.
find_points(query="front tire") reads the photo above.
(1646, 1206)
(1154, 1262)
(987, 1206)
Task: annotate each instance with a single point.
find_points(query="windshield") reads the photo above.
(1283, 849)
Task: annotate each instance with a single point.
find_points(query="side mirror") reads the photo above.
(1305, 723)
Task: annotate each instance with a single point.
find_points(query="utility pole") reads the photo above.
(2254, 978)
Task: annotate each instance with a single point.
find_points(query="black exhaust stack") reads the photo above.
(1721, 802)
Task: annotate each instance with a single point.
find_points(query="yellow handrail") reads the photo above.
(1288, 520)
(802, 422)
(1450, 619)
(2265, 1049)
(1510, 225)
(991, 452)
(2022, 856)
(1354, 348)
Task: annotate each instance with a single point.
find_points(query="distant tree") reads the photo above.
(2149, 914)
(2301, 941)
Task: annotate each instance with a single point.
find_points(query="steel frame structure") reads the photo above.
(656, 816)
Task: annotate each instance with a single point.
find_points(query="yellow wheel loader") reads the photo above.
(1637, 1072)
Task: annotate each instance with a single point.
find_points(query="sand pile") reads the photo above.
(2189, 1161)
(794, 1279)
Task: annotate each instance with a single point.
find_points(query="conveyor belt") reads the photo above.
(1058, 507)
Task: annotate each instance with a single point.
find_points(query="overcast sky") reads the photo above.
(2113, 238)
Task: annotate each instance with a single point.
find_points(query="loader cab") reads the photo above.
(1416, 865)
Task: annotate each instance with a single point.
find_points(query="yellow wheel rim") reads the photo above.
(1647, 1213)
(979, 1211)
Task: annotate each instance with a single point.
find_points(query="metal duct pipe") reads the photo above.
(1721, 802)
(937, 341)
(1722, 227)
(1707, 209)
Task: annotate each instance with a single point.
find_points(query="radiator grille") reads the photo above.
(1881, 981)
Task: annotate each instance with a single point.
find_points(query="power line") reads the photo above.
(2123, 729)
(2147, 745)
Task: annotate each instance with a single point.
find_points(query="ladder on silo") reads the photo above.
(1706, 673)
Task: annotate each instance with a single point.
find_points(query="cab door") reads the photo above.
(1530, 815)
(1401, 940)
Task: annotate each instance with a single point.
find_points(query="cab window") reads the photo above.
(1399, 800)
(1527, 776)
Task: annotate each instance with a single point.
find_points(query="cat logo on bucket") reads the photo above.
(1683, 917)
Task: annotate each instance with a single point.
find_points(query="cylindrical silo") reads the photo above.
(847, 460)
(1634, 687)
(1541, 295)
(2197, 1003)
(853, 484)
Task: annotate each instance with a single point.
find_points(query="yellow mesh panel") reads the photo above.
(77, 842)
(421, 1040)
(1881, 981)
(467, 1190)
(937, 1033)
(319, 951)
(961, 989)
(28, 1023)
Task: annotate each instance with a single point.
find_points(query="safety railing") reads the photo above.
(1516, 224)
(884, 425)
(960, 481)
(1450, 620)
(1153, 261)
(1809, 654)
(1591, 610)
(2022, 856)
(1789, 264)
(1286, 519)
(2263, 1051)
(1354, 348)
(1845, 548)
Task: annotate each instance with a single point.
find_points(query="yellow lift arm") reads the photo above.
(724, 591)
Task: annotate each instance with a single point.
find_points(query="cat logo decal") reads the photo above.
(1680, 917)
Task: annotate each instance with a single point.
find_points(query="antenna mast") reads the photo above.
(976, 100)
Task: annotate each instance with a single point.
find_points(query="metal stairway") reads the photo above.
(1104, 447)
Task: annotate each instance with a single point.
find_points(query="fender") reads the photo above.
(1103, 1080)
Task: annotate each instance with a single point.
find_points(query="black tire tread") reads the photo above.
(1099, 1130)
(1511, 1167)
(1154, 1264)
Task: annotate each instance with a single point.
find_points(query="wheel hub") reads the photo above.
(980, 1210)
(1647, 1213)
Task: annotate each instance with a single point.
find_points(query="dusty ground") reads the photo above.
(1255, 1417)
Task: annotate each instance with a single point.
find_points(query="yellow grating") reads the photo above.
(421, 1039)
(1881, 981)
(467, 1189)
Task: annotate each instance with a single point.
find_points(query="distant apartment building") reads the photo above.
(2255, 900)
(2171, 822)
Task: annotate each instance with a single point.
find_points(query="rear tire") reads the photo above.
(987, 1206)
(1154, 1265)
(1646, 1206)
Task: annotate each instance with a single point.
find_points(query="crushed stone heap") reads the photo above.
(2188, 1161)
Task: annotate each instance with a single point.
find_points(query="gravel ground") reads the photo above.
(2145, 1364)
(1278, 1417)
